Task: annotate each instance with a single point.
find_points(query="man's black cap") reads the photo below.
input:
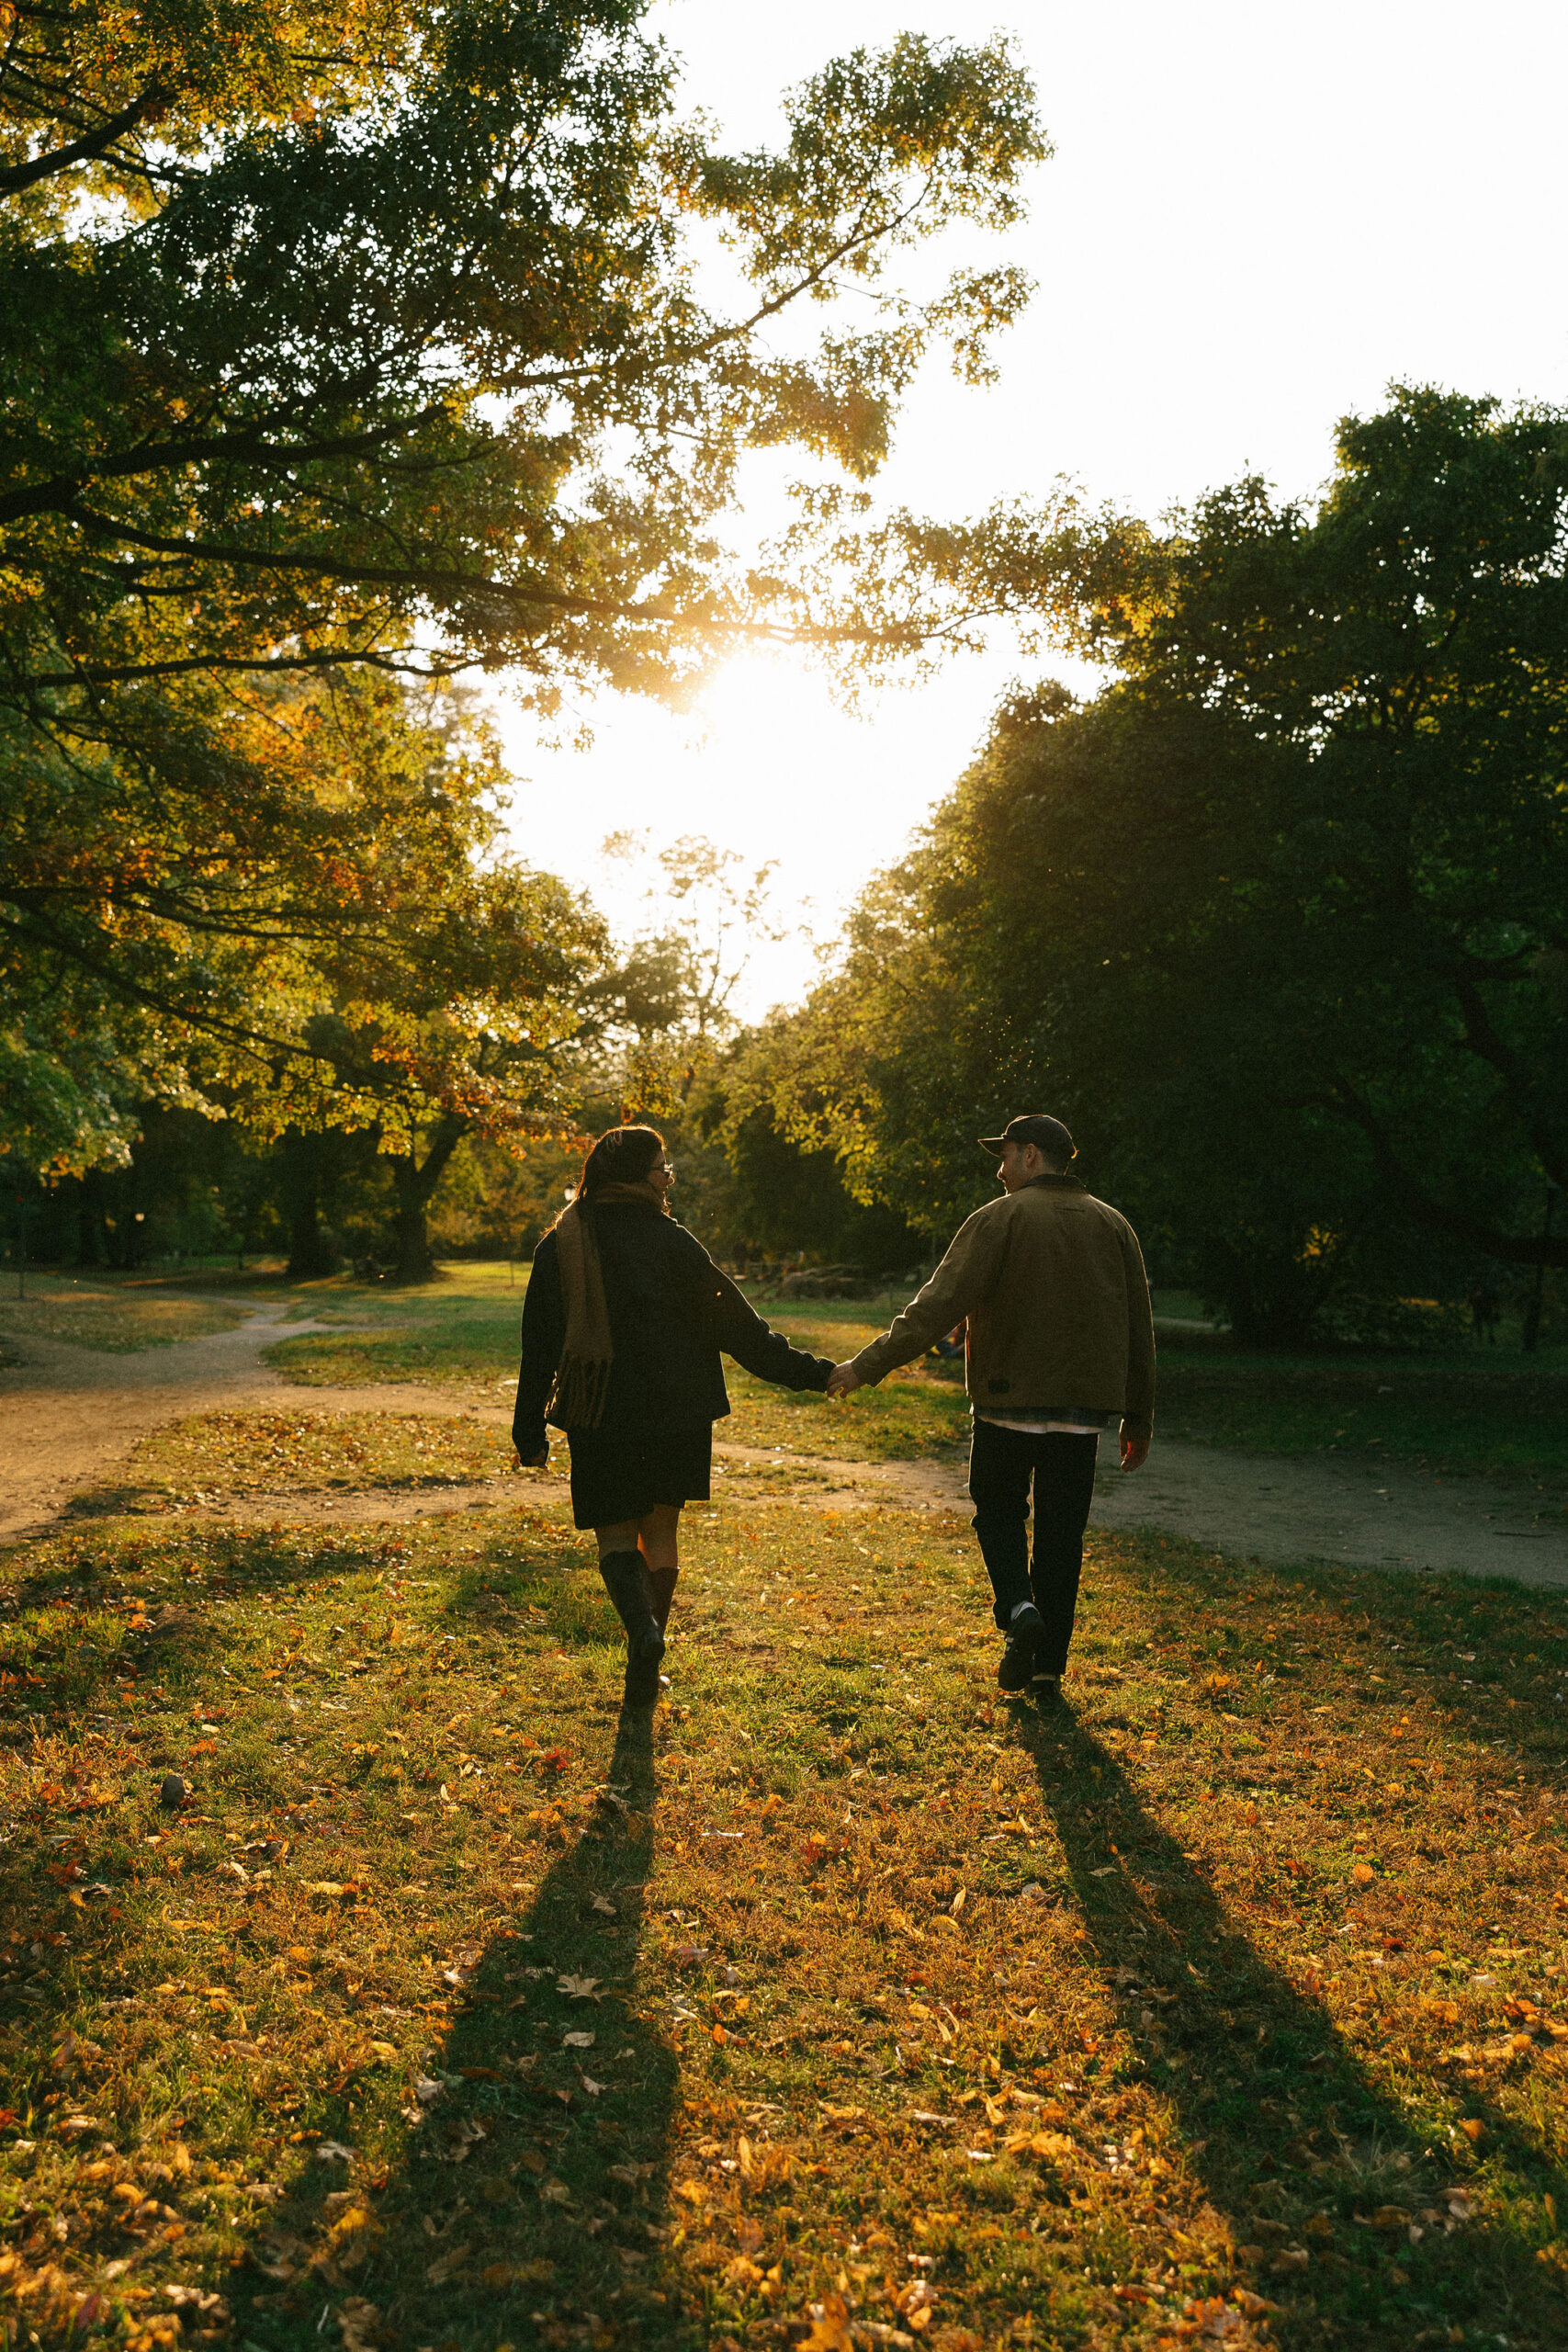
(1048, 1136)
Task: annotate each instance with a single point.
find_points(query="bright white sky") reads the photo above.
(1256, 217)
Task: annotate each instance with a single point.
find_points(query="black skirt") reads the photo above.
(618, 1474)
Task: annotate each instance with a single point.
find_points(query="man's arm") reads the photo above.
(1138, 1408)
(964, 1279)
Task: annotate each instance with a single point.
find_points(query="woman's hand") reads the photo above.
(537, 1461)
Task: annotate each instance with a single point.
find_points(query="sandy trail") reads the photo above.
(68, 1417)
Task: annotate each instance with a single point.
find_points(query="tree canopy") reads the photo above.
(1280, 918)
(378, 335)
(368, 343)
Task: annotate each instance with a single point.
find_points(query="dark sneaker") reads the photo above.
(1046, 1688)
(1017, 1668)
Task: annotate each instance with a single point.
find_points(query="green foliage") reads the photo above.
(292, 907)
(1276, 924)
(351, 347)
(373, 330)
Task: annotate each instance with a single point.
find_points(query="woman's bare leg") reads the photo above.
(621, 1537)
(658, 1540)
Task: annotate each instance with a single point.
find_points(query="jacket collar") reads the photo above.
(1051, 1178)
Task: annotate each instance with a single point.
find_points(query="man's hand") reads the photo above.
(1135, 1453)
(539, 1461)
(844, 1377)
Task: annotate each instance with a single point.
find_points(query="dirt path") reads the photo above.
(69, 1416)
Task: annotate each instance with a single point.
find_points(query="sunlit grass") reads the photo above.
(115, 1319)
(1236, 1985)
(210, 1456)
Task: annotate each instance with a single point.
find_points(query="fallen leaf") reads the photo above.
(1363, 1874)
(602, 1903)
(580, 1988)
(578, 2041)
(443, 2269)
(358, 2323)
(830, 2327)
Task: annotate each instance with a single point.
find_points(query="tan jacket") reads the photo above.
(1052, 1282)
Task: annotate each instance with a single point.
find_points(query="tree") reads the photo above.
(334, 341)
(365, 347)
(1280, 917)
(303, 919)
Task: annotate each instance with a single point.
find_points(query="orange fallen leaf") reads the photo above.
(830, 2327)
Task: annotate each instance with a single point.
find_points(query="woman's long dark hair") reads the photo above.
(621, 1156)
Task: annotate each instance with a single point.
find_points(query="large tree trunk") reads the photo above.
(309, 1256)
(413, 1188)
(89, 1222)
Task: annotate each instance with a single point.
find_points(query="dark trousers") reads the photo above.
(1003, 1463)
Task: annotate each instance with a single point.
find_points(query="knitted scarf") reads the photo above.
(583, 1376)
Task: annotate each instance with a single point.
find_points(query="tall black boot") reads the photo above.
(627, 1582)
(663, 1582)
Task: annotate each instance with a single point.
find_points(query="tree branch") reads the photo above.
(58, 494)
(15, 176)
(1518, 1249)
(461, 585)
(1483, 1039)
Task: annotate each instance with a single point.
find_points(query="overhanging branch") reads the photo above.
(1519, 1249)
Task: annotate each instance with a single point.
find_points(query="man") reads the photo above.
(1060, 1341)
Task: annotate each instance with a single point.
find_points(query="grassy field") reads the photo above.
(213, 1457)
(853, 2004)
(1480, 1411)
(1473, 1410)
(110, 1313)
(461, 1334)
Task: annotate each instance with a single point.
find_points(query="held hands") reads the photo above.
(1135, 1453)
(844, 1378)
(539, 1461)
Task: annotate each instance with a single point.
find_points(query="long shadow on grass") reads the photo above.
(1279, 2119)
(530, 2204)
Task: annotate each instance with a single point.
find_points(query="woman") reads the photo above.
(622, 1327)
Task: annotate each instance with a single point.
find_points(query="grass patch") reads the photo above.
(1224, 2002)
(211, 1457)
(1466, 1413)
(469, 1360)
(918, 1411)
(112, 1319)
(465, 1346)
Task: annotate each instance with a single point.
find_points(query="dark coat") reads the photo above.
(670, 1311)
